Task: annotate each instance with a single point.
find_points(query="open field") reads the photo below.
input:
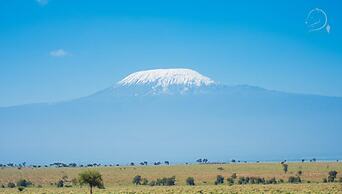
(332, 188)
(119, 179)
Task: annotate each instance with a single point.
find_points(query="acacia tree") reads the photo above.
(91, 178)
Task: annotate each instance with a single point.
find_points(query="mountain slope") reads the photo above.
(160, 116)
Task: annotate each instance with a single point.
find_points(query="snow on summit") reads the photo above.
(167, 77)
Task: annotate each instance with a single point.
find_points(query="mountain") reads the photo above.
(177, 115)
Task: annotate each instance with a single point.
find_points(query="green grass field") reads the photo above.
(119, 179)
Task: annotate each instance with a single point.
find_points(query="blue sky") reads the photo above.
(52, 50)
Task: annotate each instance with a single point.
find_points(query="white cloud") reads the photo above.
(59, 53)
(42, 2)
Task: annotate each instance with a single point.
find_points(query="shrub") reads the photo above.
(241, 180)
(60, 184)
(260, 180)
(230, 181)
(190, 181)
(23, 183)
(20, 189)
(332, 176)
(271, 181)
(144, 181)
(219, 180)
(170, 181)
(160, 182)
(331, 179)
(255, 180)
(325, 180)
(294, 179)
(10, 185)
(247, 180)
(137, 180)
(2, 186)
(152, 183)
(166, 181)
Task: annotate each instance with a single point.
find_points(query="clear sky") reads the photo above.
(52, 50)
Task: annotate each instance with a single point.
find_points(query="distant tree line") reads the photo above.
(144, 163)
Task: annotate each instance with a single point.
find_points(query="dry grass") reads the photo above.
(118, 179)
(116, 176)
(332, 188)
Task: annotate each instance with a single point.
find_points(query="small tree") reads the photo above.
(332, 176)
(285, 167)
(91, 178)
(10, 185)
(137, 180)
(190, 181)
(219, 180)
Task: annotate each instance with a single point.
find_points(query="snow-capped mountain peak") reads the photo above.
(167, 77)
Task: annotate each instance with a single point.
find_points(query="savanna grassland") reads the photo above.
(119, 179)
